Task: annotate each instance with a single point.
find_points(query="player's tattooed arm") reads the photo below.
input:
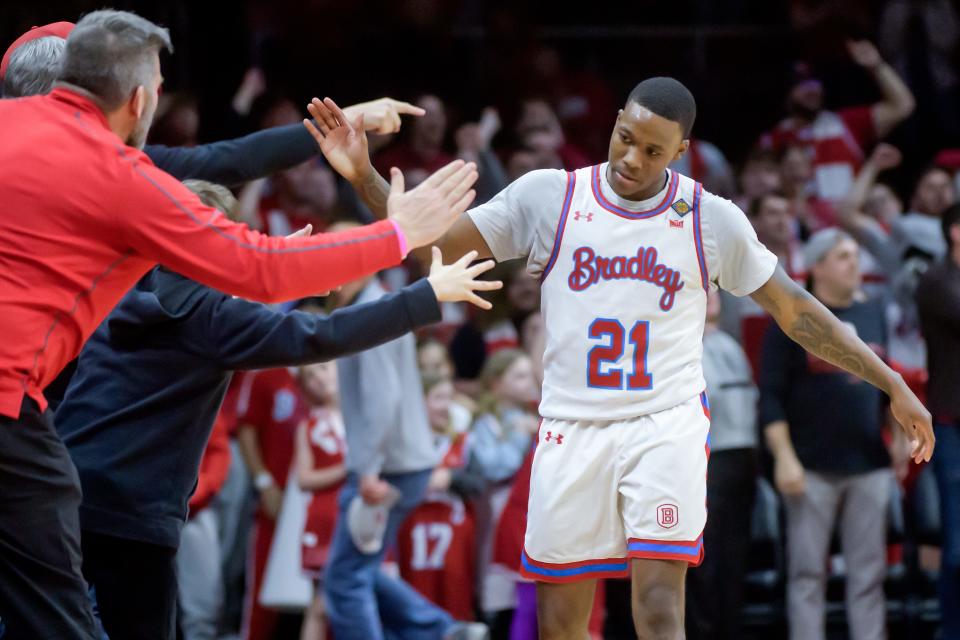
(343, 143)
(810, 324)
(373, 190)
(806, 321)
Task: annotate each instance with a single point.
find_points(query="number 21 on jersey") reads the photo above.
(613, 339)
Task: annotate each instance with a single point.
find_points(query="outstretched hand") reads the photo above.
(426, 212)
(383, 115)
(343, 142)
(458, 282)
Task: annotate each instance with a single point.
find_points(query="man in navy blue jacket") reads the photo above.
(137, 415)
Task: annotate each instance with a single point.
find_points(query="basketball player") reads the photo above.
(626, 252)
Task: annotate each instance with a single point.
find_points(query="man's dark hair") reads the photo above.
(753, 209)
(949, 218)
(667, 98)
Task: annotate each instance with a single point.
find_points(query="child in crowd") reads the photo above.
(320, 470)
(500, 440)
(433, 360)
(436, 544)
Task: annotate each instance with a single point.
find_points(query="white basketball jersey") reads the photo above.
(624, 303)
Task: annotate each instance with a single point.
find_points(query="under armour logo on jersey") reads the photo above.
(554, 438)
(587, 216)
(676, 224)
(681, 207)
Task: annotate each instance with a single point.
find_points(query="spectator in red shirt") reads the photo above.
(87, 215)
(838, 140)
(302, 195)
(267, 434)
(320, 469)
(435, 545)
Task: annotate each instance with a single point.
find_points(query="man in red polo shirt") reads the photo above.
(837, 141)
(86, 214)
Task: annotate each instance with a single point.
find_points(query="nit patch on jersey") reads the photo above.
(681, 207)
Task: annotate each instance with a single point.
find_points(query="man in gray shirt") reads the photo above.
(715, 588)
(390, 456)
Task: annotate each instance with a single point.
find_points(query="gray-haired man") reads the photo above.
(87, 215)
(824, 427)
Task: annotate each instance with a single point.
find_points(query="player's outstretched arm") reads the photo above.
(811, 325)
(344, 144)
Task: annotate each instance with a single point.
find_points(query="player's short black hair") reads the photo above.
(949, 218)
(667, 98)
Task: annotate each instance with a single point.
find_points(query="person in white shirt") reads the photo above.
(626, 252)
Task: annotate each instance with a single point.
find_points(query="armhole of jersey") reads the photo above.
(561, 223)
(698, 237)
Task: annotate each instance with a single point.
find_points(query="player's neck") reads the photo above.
(646, 194)
(955, 255)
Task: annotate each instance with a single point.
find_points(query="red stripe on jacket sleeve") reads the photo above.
(166, 222)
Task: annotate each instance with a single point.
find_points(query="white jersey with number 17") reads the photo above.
(624, 284)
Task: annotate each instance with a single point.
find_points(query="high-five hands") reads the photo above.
(348, 126)
(425, 212)
(457, 282)
(341, 139)
(383, 115)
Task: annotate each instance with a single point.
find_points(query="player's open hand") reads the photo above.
(427, 211)
(458, 282)
(383, 115)
(915, 421)
(342, 141)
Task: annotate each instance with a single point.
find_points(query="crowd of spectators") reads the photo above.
(813, 186)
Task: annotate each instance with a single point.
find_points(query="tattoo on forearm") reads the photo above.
(819, 339)
(767, 301)
(816, 333)
(810, 324)
(374, 191)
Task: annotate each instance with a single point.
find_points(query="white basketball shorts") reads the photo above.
(604, 492)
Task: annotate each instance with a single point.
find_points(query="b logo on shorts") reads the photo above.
(667, 516)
